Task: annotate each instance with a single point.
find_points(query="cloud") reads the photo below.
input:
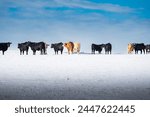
(85, 4)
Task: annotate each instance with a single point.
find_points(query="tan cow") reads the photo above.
(72, 47)
(69, 46)
(76, 47)
(130, 48)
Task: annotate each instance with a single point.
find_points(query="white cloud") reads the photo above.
(95, 6)
(84, 4)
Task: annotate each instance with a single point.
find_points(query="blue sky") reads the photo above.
(87, 21)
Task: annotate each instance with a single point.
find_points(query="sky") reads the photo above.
(86, 21)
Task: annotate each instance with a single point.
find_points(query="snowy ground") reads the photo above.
(74, 76)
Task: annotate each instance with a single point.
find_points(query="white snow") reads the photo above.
(83, 76)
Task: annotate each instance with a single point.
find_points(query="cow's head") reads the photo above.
(8, 44)
(61, 43)
(52, 45)
(19, 45)
(65, 44)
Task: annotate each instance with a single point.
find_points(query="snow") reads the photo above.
(83, 76)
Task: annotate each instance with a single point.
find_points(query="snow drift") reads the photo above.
(74, 76)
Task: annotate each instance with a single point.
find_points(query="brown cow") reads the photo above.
(69, 46)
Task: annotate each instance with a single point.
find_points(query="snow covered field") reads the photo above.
(81, 76)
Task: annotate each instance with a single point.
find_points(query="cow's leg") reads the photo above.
(61, 51)
(27, 52)
(71, 51)
(23, 52)
(78, 51)
(141, 51)
(34, 52)
(144, 51)
(94, 52)
(20, 52)
(3, 52)
(99, 52)
(41, 52)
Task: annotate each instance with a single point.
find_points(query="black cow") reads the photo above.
(4, 46)
(57, 47)
(108, 48)
(96, 47)
(23, 47)
(147, 47)
(139, 47)
(37, 46)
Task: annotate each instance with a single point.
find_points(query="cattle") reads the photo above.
(57, 47)
(4, 46)
(130, 48)
(95, 47)
(108, 48)
(23, 47)
(37, 46)
(76, 47)
(147, 47)
(139, 47)
(70, 47)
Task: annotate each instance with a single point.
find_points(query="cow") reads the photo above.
(130, 48)
(76, 47)
(70, 47)
(23, 47)
(139, 47)
(95, 47)
(108, 48)
(57, 47)
(37, 46)
(4, 46)
(147, 47)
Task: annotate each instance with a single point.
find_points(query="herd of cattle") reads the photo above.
(72, 47)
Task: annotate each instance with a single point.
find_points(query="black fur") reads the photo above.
(139, 47)
(37, 46)
(147, 47)
(96, 47)
(23, 47)
(57, 47)
(4, 46)
(108, 48)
